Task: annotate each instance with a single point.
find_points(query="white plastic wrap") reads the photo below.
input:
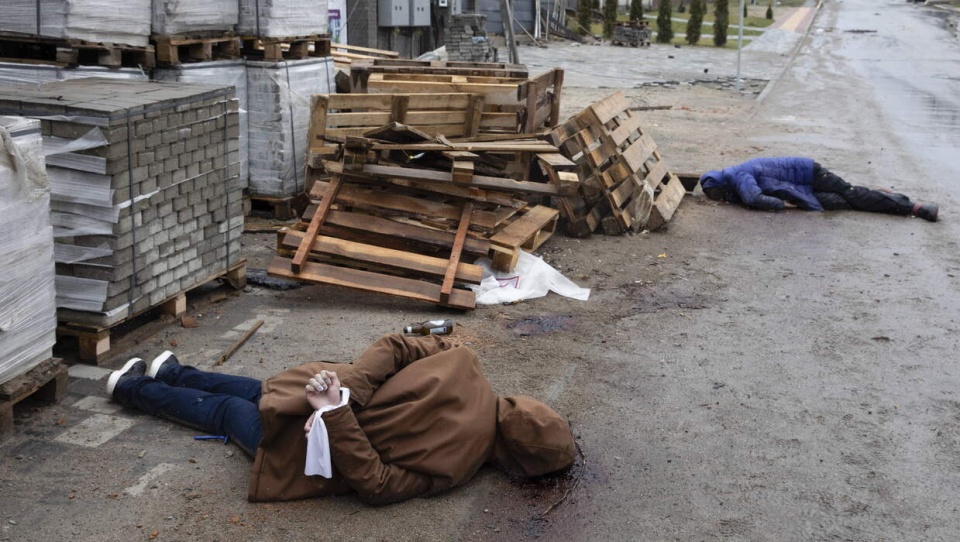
(114, 21)
(13, 73)
(282, 18)
(181, 17)
(278, 99)
(219, 72)
(28, 319)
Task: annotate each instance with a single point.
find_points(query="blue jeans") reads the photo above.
(216, 403)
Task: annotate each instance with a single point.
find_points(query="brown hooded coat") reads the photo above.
(412, 429)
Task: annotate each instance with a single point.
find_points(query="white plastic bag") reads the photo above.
(532, 278)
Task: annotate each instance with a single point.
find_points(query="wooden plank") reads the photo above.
(315, 224)
(367, 254)
(639, 151)
(483, 146)
(372, 282)
(480, 181)
(446, 288)
(367, 50)
(666, 203)
(494, 94)
(606, 109)
(377, 119)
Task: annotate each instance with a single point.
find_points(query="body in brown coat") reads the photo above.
(422, 419)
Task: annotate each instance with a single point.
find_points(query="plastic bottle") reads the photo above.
(430, 327)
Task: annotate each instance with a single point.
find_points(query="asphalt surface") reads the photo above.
(739, 376)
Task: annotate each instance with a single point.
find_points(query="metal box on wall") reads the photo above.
(420, 13)
(394, 13)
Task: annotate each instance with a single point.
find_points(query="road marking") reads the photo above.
(101, 405)
(270, 323)
(156, 472)
(95, 430)
(88, 372)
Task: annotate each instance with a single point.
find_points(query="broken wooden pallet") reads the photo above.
(625, 184)
(277, 49)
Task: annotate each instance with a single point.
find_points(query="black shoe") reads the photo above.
(134, 368)
(162, 364)
(927, 211)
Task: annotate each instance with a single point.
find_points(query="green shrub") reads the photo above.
(609, 16)
(720, 22)
(636, 10)
(664, 24)
(770, 11)
(695, 22)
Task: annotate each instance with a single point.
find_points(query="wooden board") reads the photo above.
(528, 233)
(47, 381)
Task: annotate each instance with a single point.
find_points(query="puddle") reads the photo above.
(538, 325)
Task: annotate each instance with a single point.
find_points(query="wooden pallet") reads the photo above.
(72, 52)
(173, 50)
(535, 102)
(46, 382)
(286, 48)
(361, 69)
(345, 55)
(279, 208)
(625, 184)
(405, 214)
(93, 332)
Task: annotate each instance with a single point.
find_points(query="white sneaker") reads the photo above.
(166, 357)
(133, 368)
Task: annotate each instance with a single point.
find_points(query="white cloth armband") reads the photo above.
(318, 443)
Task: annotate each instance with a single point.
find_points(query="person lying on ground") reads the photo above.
(769, 184)
(410, 417)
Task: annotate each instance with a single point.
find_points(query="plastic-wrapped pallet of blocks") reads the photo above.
(278, 99)
(220, 72)
(194, 17)
(113, 21)
(13, 73)
(145, 193)
(282, 18)
(28, 316)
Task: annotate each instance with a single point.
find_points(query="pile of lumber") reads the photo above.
(407, 213)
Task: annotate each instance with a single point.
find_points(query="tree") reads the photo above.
(609, 16)
(721, 22)
(770, 11)
(664, 24)
(584, 16)
(745, 14)
(695, 22)
(636, 10)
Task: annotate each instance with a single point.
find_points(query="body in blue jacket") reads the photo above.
(769, 183)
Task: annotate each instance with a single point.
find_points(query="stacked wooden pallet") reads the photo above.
(625, 184)
(346, 55)
(405, 212)
(506, 88)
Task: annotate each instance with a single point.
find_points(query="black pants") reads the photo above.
(835, 194)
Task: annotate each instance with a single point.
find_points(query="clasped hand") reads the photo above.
(323, 389)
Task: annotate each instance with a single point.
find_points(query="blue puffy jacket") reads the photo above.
(754, 181)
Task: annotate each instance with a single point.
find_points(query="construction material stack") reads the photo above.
(27, 296)
(194, 18)
(282, 18)
(146, 199)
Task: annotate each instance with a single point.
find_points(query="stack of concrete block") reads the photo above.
(145, 192)
(13, 73)
(282, 18)
(278, 98)
(114, 21)
(466, 39)
(28, 316)
(218, 72)
(194, 17)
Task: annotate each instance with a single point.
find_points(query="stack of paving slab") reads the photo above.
(278, 101)
(145, 193)
(221, 73)
(28, 319)
(466, 39)
(124, 22)
(194, 17)
(282, 18)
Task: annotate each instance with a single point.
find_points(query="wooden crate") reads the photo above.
(625, 184)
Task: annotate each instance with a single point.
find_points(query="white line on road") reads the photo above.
(156, 472)
(95, 430)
